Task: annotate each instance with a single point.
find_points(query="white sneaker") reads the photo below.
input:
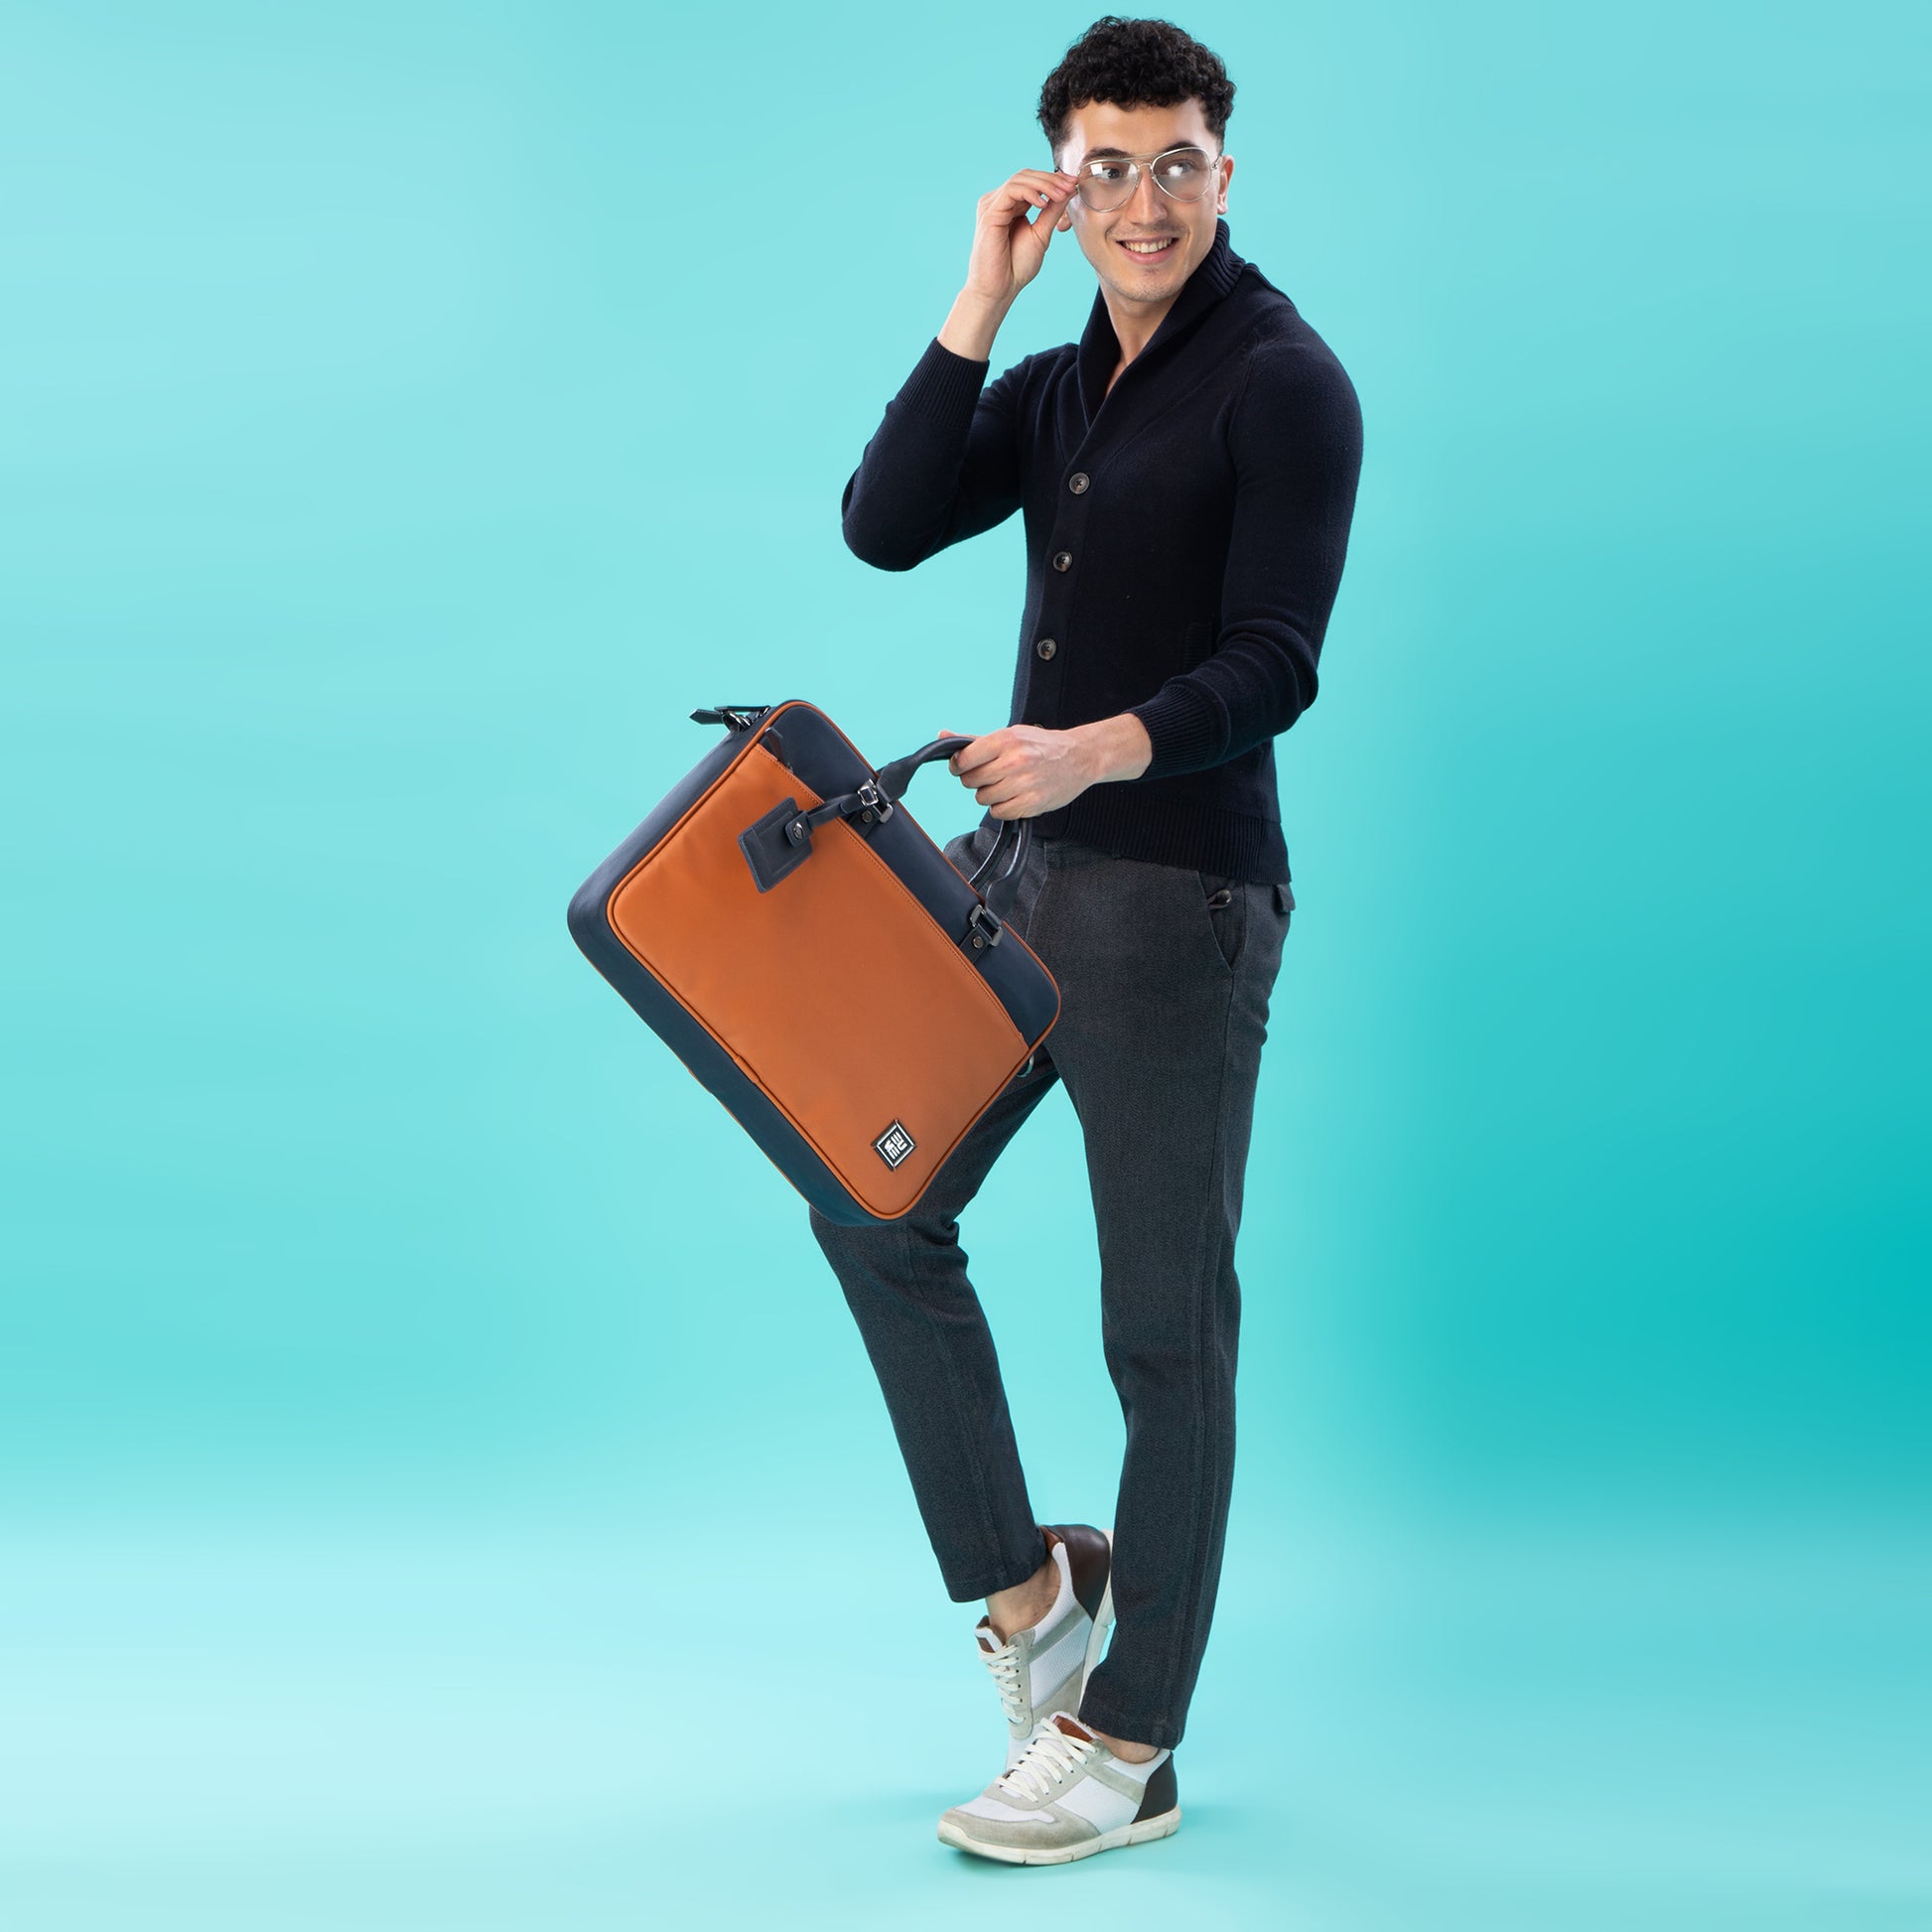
(1066, 1797)
(1046, 1668)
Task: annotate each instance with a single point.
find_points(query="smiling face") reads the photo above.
(1172, 236)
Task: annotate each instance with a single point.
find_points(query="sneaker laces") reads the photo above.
(1051, 1755)
(1004, 1663)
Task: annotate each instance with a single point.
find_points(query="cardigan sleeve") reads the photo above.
(944, 464)
(1295, 440)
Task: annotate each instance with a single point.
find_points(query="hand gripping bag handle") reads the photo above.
(887, 789)
(892, 781)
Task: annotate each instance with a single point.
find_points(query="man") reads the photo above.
(1187, 473)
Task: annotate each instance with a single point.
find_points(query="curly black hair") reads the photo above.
(1136, 64)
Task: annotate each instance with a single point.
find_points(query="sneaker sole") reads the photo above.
(1164, 1826)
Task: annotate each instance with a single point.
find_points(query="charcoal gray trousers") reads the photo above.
(1164, 976)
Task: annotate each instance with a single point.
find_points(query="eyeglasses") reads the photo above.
(1109, 181)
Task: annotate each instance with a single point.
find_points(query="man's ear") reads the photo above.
(1066, 220)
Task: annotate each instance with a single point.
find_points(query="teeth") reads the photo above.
(1146, 247)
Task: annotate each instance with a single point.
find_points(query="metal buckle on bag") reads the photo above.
(870, 796)
(984, 926)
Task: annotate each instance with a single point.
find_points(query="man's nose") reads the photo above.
(1146, 203)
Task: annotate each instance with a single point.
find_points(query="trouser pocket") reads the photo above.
(1224, 905)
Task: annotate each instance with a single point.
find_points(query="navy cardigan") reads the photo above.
(1185, 534)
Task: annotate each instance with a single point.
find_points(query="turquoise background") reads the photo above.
(440, 1485)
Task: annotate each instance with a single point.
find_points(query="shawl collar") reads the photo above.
(1221, 268)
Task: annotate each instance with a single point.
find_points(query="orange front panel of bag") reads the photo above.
(835, 991)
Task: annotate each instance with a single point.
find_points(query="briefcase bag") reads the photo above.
(783, 924)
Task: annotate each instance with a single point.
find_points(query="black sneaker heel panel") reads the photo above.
(1163, 1794)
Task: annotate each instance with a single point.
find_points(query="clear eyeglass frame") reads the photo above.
(1104, 197)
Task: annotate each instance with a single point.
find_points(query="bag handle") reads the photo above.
(894, 779)
(873, 800)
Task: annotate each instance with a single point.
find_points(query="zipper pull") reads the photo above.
(739, 717)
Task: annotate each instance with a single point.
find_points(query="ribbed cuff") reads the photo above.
(1184, 730)
(943, 387)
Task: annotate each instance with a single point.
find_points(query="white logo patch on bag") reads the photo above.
(895, 1144)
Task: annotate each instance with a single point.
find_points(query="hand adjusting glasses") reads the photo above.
(1108, 181)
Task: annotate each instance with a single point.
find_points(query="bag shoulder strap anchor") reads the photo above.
(871, 801)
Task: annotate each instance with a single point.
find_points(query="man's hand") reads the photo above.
(1007, 250)
(1021, 770)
